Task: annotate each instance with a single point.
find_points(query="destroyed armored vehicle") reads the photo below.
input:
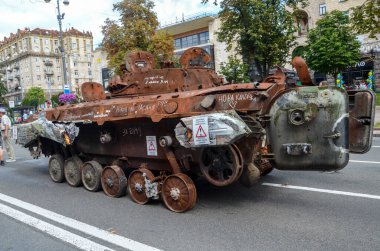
(159, 129)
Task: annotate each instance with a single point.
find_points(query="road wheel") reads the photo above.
(179, 193)
(91, 174)
(113, 181)
(221, 166)
(56, 171)
(72, 169)
(136, 185)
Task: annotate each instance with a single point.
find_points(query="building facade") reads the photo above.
(199, 30)
(32, 58)
(101, 70)
(306, 19)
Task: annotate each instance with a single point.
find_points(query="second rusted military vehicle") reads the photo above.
(162, 128)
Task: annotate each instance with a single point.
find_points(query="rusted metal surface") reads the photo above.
(163, 126)
(362, 113)
(179, 193)
(114, 182)
(302, 70)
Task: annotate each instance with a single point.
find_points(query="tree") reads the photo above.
(263, 30)
(3, 91)
(234, 70)
(366, 18)
(332, 46)
(135, 30)
(34, 97)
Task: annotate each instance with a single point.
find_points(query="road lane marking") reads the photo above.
(375, 146)
(363, 195)
(80, 226)
(59, 233)
(364, 161)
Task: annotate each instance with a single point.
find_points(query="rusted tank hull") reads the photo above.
(159, 127)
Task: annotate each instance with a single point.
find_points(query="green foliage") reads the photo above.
(55, 99)
(263, 30)
(3, 91)
(378, 99)
(135, 30)
(332, 46)
(34, 97)
(366, 18)
(298, 51)
(235, 71)
(162, 46)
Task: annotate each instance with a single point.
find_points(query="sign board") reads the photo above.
(200, 131)
(151, 145)
(66, 89)
(11, 104)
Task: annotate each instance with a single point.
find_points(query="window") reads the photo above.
(48, 79)
(192, 40)
(56, 50)
(89, 72)
(57, 60)
(88, 46)
(58, 79)
(76, 73)
(47, 50)
(177, 43)
(75, 63)
(55, 42)
(47, 42)
(38, 77)
(77, 81)
(89, 64)
(204, 37)
(322, 9)
(38, 69)
(36, 49)
(59, 69)
(37, 59)
(35, 40)
(74, 45)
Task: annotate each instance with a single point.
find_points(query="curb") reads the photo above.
(376, 133)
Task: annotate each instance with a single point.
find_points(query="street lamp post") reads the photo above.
(60, 17)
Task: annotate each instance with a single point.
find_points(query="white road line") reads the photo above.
(364, 161)
(375, 146)
(59, 233)
(363, 195)
(80, 226)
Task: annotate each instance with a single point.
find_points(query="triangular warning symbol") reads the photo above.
(200, 132)
(151, 147)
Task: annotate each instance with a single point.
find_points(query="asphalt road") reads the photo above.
(264, 217)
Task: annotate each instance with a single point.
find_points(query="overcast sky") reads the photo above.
(86, 15)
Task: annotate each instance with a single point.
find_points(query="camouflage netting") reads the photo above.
(42, 127)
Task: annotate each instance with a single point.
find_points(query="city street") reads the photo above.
(285, 211)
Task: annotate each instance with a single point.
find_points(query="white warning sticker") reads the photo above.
(200, 131)
(151, 145)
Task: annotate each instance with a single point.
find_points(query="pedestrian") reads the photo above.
(5, 134)
(1, 153)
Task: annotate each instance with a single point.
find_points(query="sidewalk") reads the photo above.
(376, 131)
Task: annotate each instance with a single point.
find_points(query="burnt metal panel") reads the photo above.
(362, 117)
(309, 129)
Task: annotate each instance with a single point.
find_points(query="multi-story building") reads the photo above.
(370, 48)
(199, 30)
(31, 58)
(101, 70)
